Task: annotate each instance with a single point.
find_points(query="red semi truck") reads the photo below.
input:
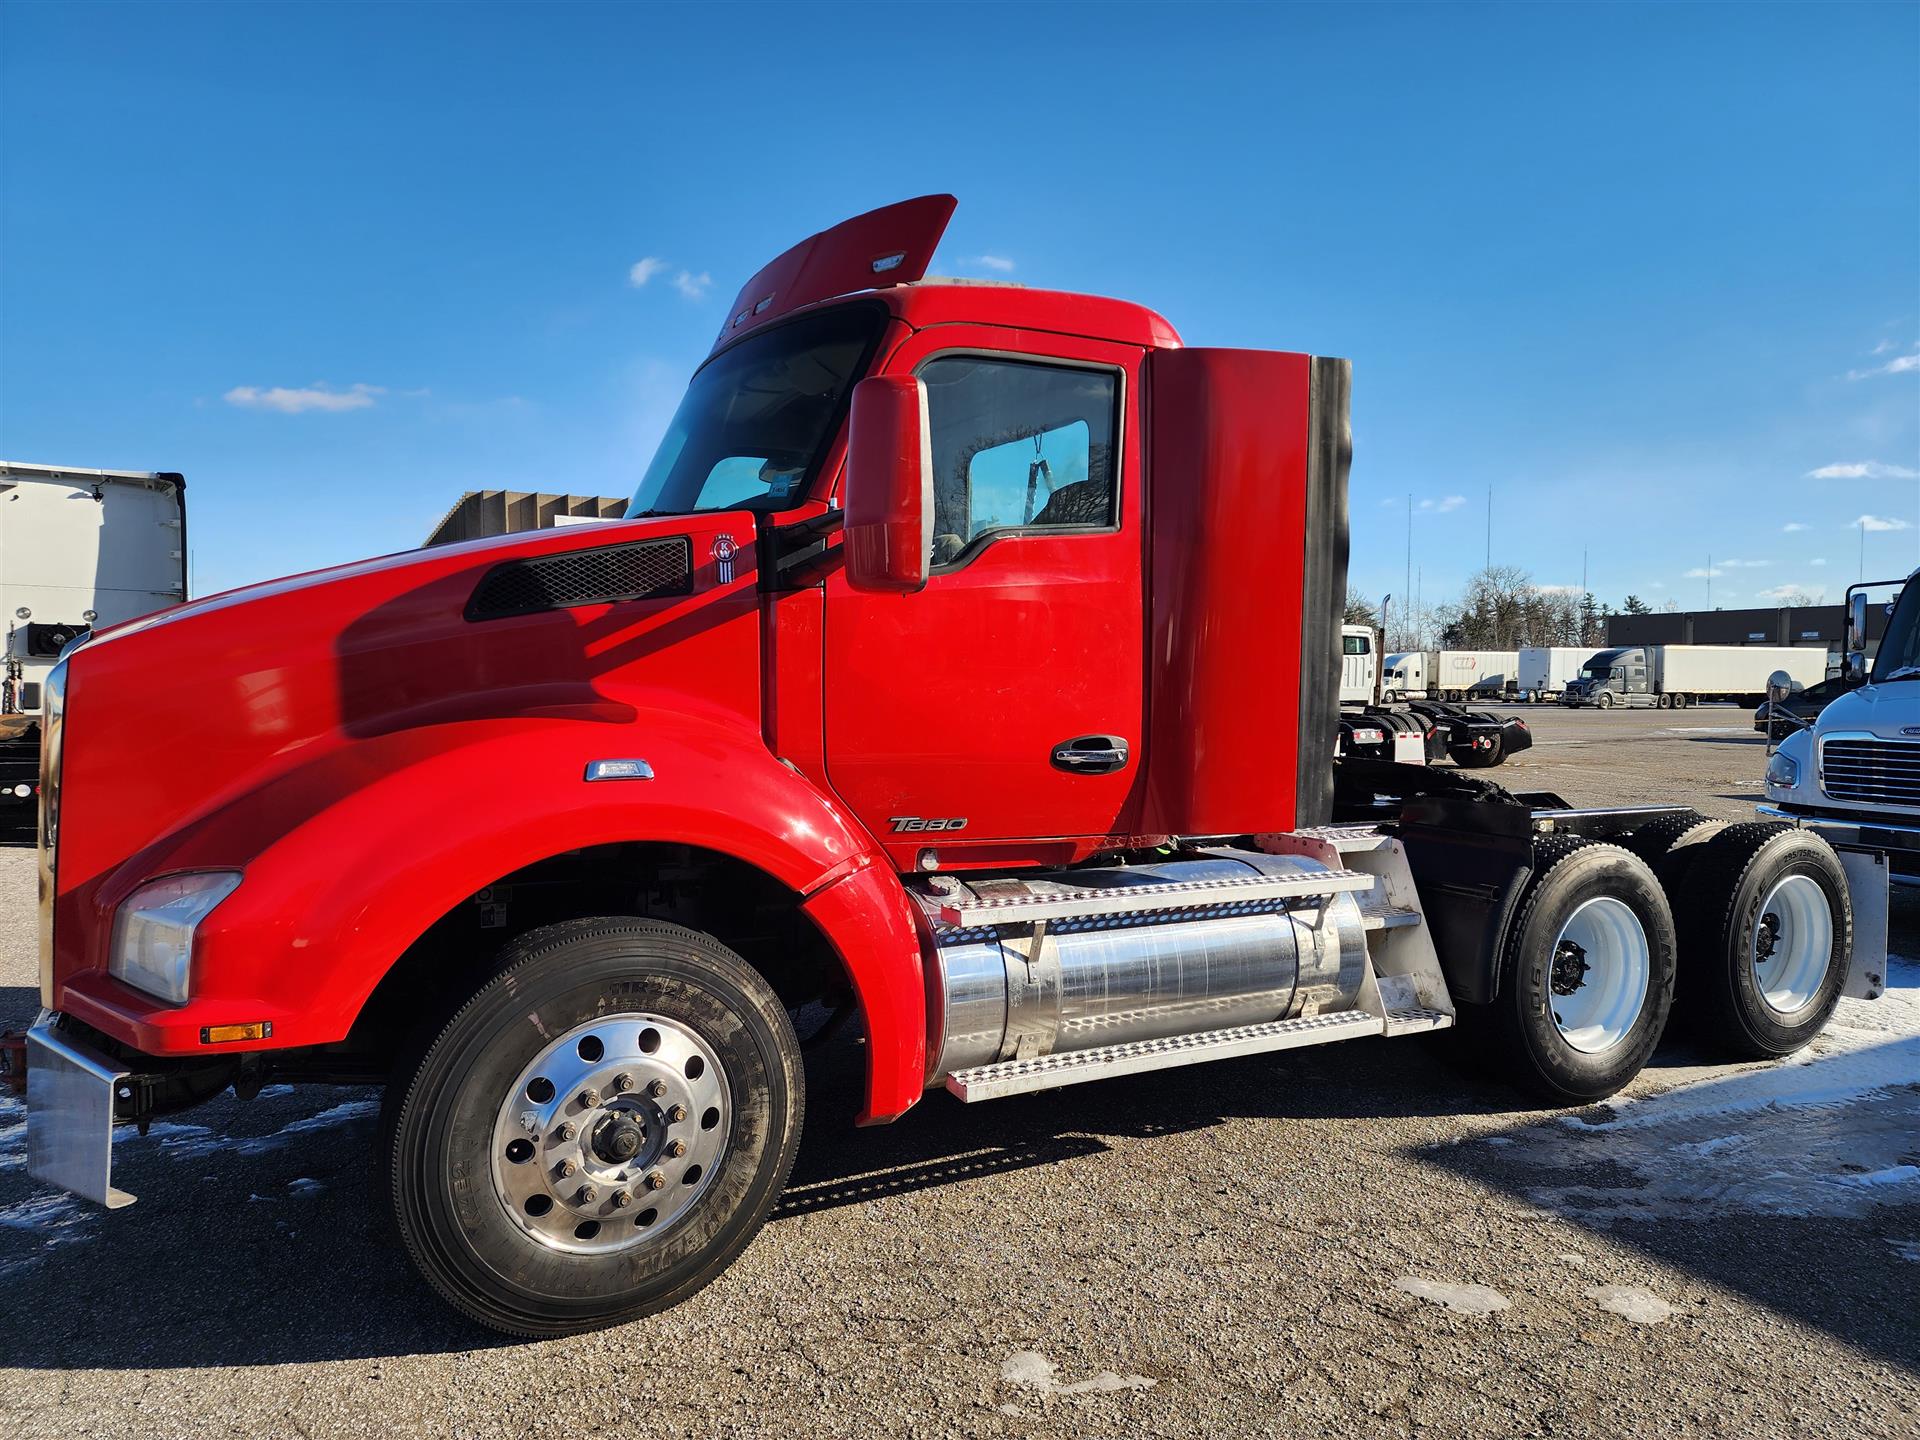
(967, 662)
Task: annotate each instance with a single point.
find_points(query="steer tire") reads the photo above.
(1604, 700)
(1724, 988)
(1526, 1041)
(464, 1125)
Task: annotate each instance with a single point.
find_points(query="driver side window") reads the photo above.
(1018, 446)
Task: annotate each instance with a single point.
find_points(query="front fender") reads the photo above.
(351, 857)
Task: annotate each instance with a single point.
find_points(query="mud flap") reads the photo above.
(70, 1116)
(1868, 884)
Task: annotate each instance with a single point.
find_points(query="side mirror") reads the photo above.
(1779, 687)
(888, 503)
(1857, 623)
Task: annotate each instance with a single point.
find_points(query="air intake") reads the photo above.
(645, 570)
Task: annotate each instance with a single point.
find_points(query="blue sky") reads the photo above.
(1651, 273)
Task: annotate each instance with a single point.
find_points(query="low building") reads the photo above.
(1782, 625)
(480, 513)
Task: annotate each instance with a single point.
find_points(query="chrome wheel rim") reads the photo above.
(611, 1133)
(1792, 944)
(1598, 974)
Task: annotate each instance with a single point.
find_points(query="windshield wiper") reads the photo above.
(1903, 673)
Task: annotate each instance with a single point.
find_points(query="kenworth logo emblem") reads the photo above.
(723, 552)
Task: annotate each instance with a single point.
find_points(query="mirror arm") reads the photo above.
(798, 554)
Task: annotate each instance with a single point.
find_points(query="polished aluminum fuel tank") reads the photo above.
(1016, 991)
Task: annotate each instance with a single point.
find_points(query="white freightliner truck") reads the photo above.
(78, 549)
(1853, 773)
(1671, 677)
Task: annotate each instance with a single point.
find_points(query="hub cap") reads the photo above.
(1598, 975)
(611, 1133)
(1792, 944)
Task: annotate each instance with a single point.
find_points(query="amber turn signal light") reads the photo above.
(226, 1034)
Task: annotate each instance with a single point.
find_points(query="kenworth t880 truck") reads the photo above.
(968, 661)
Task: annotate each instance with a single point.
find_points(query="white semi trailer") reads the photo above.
(1546, 670)
(1672, 676)
(78, 548)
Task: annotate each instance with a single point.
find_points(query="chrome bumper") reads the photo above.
(70, 1091)
(1846, 831)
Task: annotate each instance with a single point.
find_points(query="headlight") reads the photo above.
(153, 931)
(1783, 771)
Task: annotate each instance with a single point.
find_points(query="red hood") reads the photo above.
(174, 718)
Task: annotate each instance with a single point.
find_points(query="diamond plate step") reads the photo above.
(1416, 1020)
(1388, 917)
(1014, 1077)
(1142, 899)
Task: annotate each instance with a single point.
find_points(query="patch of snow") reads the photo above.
(305, 1186)
(1030, 1370)
(1906, 1249)
(1827, 1133)
(1630, 1302)
(1571, 1259)
(1462, 1299)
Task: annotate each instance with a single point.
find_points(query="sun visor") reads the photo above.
(893, 245)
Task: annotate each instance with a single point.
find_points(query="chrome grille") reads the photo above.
(1871, 771)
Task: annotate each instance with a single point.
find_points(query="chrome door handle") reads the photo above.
(1091, 755)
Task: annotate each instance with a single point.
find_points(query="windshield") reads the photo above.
(1899, 654)
(757, 419)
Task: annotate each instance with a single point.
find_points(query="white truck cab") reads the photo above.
(1853, 773)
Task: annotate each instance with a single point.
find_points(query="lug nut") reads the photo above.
(623, 1082)
(677, 1114)
(677, 1149)
(657, 1089)
(656, 1181)
(589, 1097)
(622, 1199)
(568, 1130)
(588, 1195)
(564, 1168)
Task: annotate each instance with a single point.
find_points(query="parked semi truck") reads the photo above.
(1670, 676)
(551, 833)
(1545, 671)
(1414, 732)
(1852, 775)
(1452, 675)
(78, 548)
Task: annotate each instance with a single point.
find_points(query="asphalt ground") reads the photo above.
(1363, 1239)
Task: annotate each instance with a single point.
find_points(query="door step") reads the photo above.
(1048, 1072)
(1145, 899)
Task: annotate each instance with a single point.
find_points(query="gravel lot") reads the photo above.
(1358, 1240)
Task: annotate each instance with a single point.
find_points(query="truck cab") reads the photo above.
(1853, 773)
(1620, 676)
(967, 665)
(1405, 676)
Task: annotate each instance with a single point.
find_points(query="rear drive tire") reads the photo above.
(1764, 940)
(1470, 758)
(1665, 702)
(598, 1132)
(1670, 845)
(1586, 975)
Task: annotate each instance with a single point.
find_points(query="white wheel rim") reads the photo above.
(1597, 975)
(1791, 944)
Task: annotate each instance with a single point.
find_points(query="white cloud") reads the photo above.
(1746, 564)
(1883, 347)
(1791, 526)
(1781, 592)
(1558, 589)
(1818, 560)
(313, 397)
(1878, 522)
(1899, 365)
(997, 262)
(644, 270)
(693, 286)
(1863, 470)
(1442, 505)
(1700, 572)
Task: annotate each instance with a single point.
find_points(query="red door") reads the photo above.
(1001, 708)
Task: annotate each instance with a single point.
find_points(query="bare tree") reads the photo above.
(1359, 610)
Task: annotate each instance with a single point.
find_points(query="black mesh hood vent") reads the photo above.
(643, 570)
